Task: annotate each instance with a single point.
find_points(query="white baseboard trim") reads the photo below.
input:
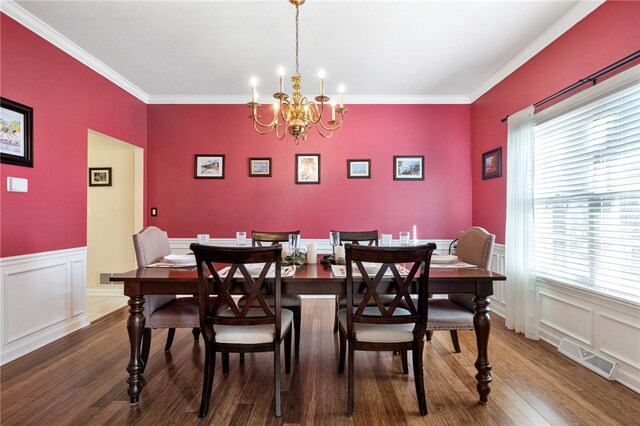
(109, 291)
(55, 279)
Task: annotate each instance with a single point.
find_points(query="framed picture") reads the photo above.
(99, 176)
(259, 167)
(16, 133)
(359, 169)
(307, 168)
(209, 166)
(408, 167)
(492, 164)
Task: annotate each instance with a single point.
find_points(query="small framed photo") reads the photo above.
(359, 169)
(259, 167)
(307, 168)
(492, 164)
(209, 166)
(16, 133)
(99, 176)
(408, 167)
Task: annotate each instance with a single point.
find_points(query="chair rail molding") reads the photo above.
(55, 280)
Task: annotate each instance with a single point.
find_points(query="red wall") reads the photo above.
(610, 33)
(68, 99)
(440, 205)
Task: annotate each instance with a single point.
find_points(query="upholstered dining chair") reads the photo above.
(399, 326)
(151, 244)
(369, 238)
(292, 302)
(475, 246)
(226, 326)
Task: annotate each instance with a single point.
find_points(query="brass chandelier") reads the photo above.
(297, 112)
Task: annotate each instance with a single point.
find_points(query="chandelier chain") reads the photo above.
(297, 64)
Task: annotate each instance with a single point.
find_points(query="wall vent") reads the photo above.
(104, 279)
(594, 362)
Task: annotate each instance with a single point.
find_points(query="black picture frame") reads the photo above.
(209, 166)
(408, 167)
(100, 176)
(16, 133)
(307, 168)
(492, 164)
(359, 168)
(260, 167)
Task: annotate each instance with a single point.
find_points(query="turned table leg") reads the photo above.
(135, 328)
(482, 325)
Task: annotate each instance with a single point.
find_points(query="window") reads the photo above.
(586, 189)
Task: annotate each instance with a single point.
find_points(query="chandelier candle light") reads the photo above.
(297, 112)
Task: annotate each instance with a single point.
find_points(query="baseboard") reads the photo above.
(109, 291)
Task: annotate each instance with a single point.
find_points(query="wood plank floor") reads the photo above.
(80, 380)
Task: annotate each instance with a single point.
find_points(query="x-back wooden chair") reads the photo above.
(226, 326)
(398, 326)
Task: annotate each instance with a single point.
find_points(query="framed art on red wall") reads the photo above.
(492, 164)
(209, 166)
(16, 133)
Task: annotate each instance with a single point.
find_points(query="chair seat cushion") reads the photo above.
(379, 333)
(178, 313)
(251, 334)
(287, 300)
(446, 315)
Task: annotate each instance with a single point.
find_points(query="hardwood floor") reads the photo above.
(80, 379)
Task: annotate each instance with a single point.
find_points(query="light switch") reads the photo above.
(15, 184)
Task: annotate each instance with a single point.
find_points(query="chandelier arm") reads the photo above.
(331, 128)
(323, 135)
(256, 120)
(279, 137)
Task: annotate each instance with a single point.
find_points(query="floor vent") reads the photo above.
(104, 279)
(594, 362)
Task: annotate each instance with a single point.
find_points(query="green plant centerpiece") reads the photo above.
(297, 258)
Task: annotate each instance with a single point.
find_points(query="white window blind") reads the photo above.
(586, 189)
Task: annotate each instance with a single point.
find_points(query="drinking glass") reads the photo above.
(404, 238)
(203, 238)
(385, 240)
(293, 242)
(334, 239)
(241, 238)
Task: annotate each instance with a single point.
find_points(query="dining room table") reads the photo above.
(308, 279)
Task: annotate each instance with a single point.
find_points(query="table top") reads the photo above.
(308, 279)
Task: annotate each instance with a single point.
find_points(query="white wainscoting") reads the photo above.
(607, 326)
(42, 296)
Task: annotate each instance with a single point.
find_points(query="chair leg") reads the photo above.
(196, 333)
(405, 364)
(225, 363)
(146, 346)
(429, 335)
(454, 340)
(276, 378)
(335, 317)
(343, 350)
(170, 335)
(287, 352)
(297, 314)
(350, 381)
(207, 383)
(418, 374)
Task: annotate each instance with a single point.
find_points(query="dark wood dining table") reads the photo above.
(308, 280)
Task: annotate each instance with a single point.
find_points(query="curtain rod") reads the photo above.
(590, 79)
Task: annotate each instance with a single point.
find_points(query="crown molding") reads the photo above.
(351, 100)
(555, 30)
(23, 17)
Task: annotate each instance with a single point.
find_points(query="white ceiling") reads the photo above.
(383, 51)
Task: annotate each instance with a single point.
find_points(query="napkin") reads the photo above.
(254, 270)
(443, 259)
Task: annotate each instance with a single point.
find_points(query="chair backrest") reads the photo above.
(217, 306)
(272, 238)
(151, 244)
(417, 258)
(475, 246)
(357, 237)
